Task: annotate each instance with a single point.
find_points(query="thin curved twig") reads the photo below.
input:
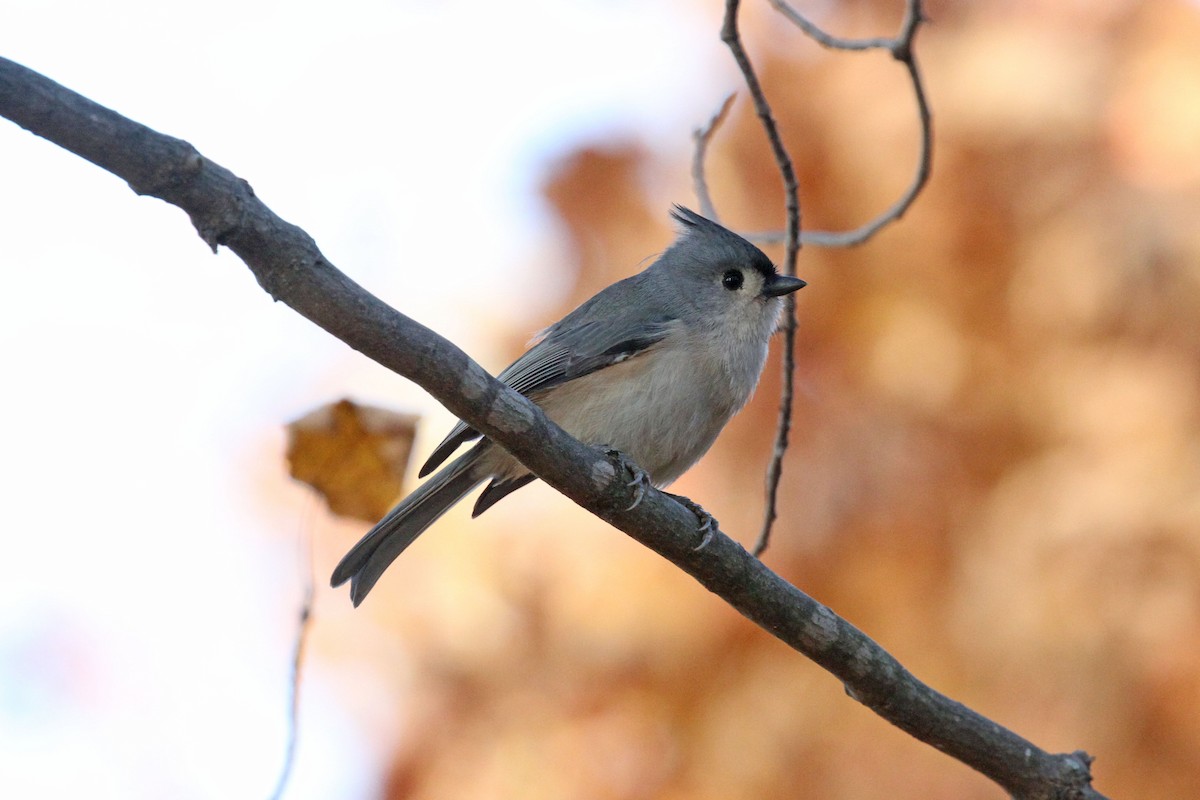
(901, 49)
(791, 187)
(303, 625)
(702, 136)
(793, 238)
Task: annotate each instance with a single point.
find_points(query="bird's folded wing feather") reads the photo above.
(565, 353)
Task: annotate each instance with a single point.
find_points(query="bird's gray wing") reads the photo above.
(567, 351)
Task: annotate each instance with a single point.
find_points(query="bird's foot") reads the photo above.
(708, 523)
(638, 478)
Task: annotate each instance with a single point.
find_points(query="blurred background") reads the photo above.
(995, 470)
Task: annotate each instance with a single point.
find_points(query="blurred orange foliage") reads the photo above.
(995, 470)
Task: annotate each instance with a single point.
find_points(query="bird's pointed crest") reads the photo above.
(692, 225)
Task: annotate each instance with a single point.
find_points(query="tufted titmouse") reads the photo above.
(652, 366)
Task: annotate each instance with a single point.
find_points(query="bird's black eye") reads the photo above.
(732, 280)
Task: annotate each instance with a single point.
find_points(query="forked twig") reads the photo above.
(902, 50)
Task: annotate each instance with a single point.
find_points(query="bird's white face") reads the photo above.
(728, 287)
(739, 306)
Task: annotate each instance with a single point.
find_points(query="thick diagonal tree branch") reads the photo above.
(288, 265)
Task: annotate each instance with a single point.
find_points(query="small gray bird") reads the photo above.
(652, 366)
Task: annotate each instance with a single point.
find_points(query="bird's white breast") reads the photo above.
(663, 408)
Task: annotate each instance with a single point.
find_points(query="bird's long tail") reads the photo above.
(367, 560)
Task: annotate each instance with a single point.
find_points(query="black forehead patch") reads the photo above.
(762, 265)
(739, 248)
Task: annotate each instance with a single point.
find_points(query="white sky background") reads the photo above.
(147, 601)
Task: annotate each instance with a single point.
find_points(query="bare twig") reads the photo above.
(783, 429)
(702, 136)
(901, 49)
(912, 16)
(290, 267)
(302, 627)
(791, 189)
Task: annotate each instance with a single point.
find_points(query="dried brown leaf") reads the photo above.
(355, 456)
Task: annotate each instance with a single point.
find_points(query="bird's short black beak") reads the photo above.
(779, 285)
